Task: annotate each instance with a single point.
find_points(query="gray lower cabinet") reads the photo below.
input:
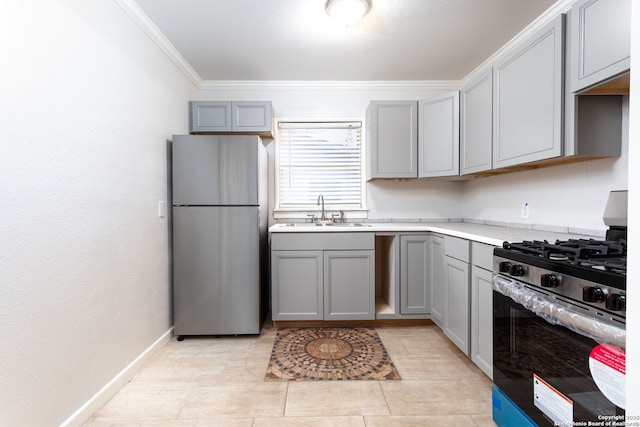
(322, 276)
(415, 285)
(298, 290)
(482, 319)
(230, 116)
(349, 292)
(457, 298)
(392, 135)
(457, 305)
(439, 135)
(527, 99)
(436, 271)
(482, 306)
(476, 112)
(600, 41)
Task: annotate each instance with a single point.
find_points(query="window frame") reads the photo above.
(301, 213)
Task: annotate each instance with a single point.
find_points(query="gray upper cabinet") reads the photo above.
(527, 99)
(600, 35)
(253, 117)
(439, 135)
(209, 116)
(392, 133)
(594, 115)
(476, 112)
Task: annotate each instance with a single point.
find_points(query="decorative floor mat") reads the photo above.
(329, 354)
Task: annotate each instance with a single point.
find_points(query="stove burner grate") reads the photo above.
(608, 255)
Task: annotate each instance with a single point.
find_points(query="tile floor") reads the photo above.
(220, 382)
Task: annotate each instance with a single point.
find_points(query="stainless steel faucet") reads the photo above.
(323, 217)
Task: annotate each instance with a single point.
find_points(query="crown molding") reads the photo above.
(561, 6)
(330, 85)
(142, 20)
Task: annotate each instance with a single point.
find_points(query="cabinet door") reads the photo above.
(527, 99)
(457, 302)
(296, 285)
(392, 129)
(439, 135)
(349, 292)
(600, 41)
(482, 319)
(476, 112)
(415, 291)
(252, 116)
(437, 280)
(209, 116)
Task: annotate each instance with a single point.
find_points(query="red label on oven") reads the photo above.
(607, 364)
(610, 356)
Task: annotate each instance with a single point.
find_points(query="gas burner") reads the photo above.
(607, 255)
(614, 265)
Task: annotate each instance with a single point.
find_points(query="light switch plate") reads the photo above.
(162, 209)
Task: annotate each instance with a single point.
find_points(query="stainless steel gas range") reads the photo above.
(559, 329)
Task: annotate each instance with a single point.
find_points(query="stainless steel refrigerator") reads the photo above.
(219, 217)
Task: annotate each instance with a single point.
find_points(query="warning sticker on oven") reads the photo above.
(607, 364)
(554, 404)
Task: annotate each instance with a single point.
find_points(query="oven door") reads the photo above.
(558, 365)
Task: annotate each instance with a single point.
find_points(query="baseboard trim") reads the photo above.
(86, 411)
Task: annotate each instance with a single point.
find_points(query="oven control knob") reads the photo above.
(550, 281)
(593, 294)
(616, 302)
(518, 270)
(504, 267)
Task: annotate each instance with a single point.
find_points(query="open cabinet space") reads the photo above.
(386, 274)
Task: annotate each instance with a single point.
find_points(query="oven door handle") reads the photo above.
(560, 313)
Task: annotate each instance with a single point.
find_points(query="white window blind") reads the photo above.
(320, 158)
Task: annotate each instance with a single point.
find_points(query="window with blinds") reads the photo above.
(320, 158)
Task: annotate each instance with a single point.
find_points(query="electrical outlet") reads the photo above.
(524, 211)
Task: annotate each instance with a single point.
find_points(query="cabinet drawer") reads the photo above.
(482, 255)
(456, 247)
(322, 241)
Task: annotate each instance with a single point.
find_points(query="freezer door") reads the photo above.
(215, 170)
(216, 286)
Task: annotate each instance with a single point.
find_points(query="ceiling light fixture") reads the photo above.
(347, 12)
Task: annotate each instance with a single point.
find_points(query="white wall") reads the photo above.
(87, 103)
(570, 196)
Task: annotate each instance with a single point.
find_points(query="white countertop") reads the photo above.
(489, 234)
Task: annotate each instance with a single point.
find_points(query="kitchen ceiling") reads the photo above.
(399, 40)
